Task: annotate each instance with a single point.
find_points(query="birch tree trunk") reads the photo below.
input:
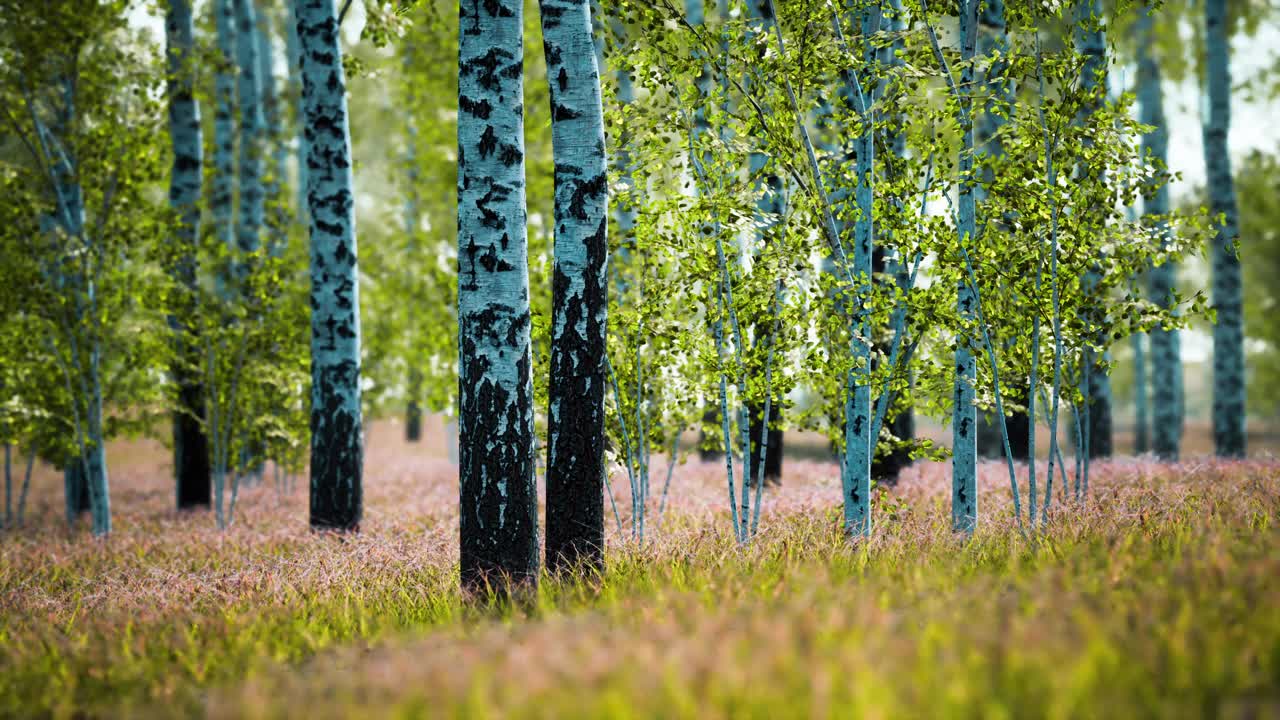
(249, 98)
(222, 195)
(964, 478)
(78, 274)
(1166, 359)
(1141, 439)
(275, 162)
(75, 485)
(337, 445)
(575, 445)
(857, 424)
(295, 94)
(1229, 439)
(190, 443)
(1092, 44)
(499, 520)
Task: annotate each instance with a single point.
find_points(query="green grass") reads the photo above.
(1160, 598)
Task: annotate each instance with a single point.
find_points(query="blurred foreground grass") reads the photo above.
(1159, 597)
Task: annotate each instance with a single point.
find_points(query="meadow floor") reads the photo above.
(1157, 597)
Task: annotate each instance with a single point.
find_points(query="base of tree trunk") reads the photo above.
(413, 422)
(192, 471)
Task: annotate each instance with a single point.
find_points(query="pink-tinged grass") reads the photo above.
(1160, 597)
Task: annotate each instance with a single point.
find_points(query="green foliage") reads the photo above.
(1257, 182)
(78, 299)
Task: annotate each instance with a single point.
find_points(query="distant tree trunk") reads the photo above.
(499, 517)
(190, 443)
(337, 431)
(76, 487)
(1166, 360)
(1229, 437)
(252, 211)
(769, 206)
(580, 300)
(277, 161)
(294, 52)
(413, 413)
(889, 265)
(222, 195)
(412, 218)
(890, 459)
(964, 479)
(249, 99)
(1141, 441)
(1091, 42)
(993, 41)
(772, 443)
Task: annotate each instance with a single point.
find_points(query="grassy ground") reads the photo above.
(1159, 597)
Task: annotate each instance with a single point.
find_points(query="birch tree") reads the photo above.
(190, 443)
(575, 432)
(964, 481)
(249, 99)
(222, 192)
(498, 515)
(81, 98)
(337, 433)
(1091, 43)
(1229, 436)
(1166, 357)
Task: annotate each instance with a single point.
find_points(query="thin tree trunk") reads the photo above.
(498, 498)
(1166, 360)
(1229, 437)
(337, 432)
(190, 443)
(575, 433)
(964, 480)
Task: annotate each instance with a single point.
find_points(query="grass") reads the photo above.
(1159, 597)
